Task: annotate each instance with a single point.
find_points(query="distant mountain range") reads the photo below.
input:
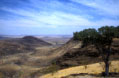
(39, 36)
(2, 37)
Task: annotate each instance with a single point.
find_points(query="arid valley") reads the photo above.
(47, 57)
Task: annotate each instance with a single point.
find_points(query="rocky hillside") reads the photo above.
(58, 52)
(75, 55)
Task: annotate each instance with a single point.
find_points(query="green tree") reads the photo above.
(117, 31)
(102, 39)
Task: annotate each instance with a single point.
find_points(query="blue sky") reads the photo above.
(55, 17)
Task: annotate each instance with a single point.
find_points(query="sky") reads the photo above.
(55, 17)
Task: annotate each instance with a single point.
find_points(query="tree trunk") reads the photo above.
(107, 62)
(105, 57)
(106, 68)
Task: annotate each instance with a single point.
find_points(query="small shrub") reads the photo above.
(1, 75)
(85, 67)
(52, 69)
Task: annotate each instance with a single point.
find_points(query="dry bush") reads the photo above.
(9, 73)
(51, 69)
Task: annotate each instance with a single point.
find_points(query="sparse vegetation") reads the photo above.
(92, 71)
(50, 59)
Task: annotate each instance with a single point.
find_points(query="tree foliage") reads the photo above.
(101, 38)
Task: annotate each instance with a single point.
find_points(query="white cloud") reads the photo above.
(56, 18)
(104, 6)
(19, 12)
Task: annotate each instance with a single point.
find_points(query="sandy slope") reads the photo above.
(90, 69)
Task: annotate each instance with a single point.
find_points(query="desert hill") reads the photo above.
(7, 48)
(20, 45)
(33, 41)
(29, 40)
